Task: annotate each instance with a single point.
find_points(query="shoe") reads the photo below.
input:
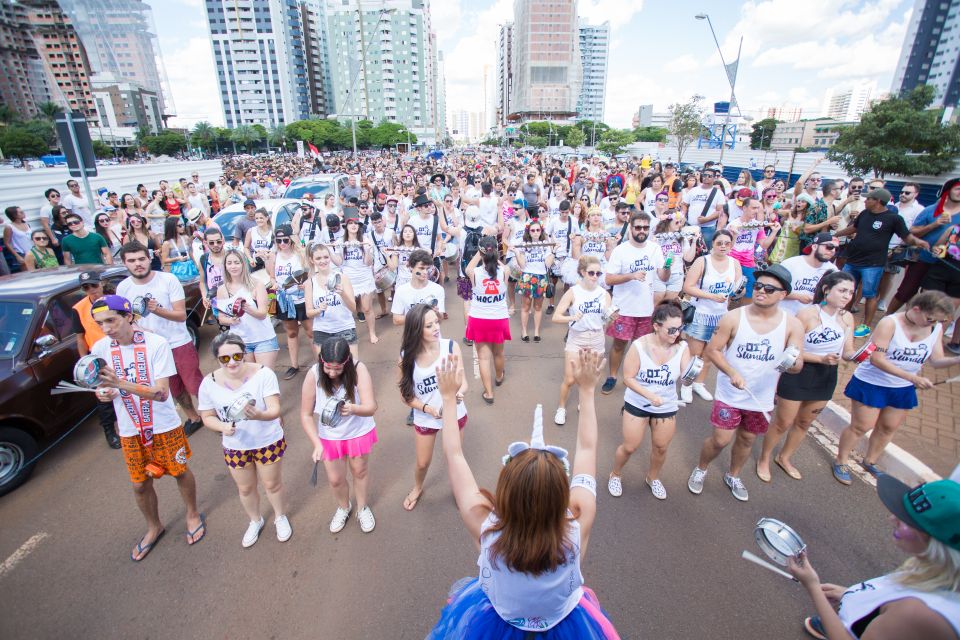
(766, 477)
(525, 339)
(862, 331)
(110, 433)
(686, 394)
(701, 390)
(615, 486)
(952, 348)
(366, 520)
(695, 482)
(560, 418)
(536, 338)
(736, 487)
(252, 533)
(882, 306)
(410, 418)
(467, 341)
(361, 317)
(872, 469)
(550, 309)
(284, 530)
(291, 373)
(190, 427)
(608, 386)
(842, 473)
(340, 517)
(814, 627)
(657, 489)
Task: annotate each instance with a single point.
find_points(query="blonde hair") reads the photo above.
(245, 278)
(936, 569)
(585, 261)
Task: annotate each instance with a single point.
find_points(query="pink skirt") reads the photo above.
(487, 330)
(352, 448)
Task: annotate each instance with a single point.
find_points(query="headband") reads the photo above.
(536, 442)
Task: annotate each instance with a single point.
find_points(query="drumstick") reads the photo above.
(953, 379)
(765, 414)
(313, 477)
(746, 555)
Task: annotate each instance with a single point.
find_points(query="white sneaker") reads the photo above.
(657, 488)
(882, 305)
(284, 530)
(252, 534)
(560, 417)
(701, 390)
(614, 486)
(695, 482)
(339, 520)
(686, 394)
(366, 520)
(736, 487)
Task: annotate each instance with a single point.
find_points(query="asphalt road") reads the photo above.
(667, 569)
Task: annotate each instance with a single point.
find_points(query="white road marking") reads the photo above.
(25, 549)
(476, 364)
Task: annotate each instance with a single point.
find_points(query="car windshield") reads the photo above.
(15, 319)
(299, 190)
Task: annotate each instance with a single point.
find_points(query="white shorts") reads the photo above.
(674, 283)
(590, 340)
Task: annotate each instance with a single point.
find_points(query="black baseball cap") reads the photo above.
(333, 220)
(89, 276)
(249, 203)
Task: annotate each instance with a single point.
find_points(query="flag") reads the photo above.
(314, 151)
(732, 71)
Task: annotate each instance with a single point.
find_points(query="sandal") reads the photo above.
(381, 315)
(486, 399)
(409, 504)
(144, 549)
(191, 535)
(793, 473)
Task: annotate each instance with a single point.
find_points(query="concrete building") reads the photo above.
(313, 17)
(931, 51)
(643, 117)
(594, 58)
(126, 104)
(504, 82)
(818, 133)
(848, 103)
(23, 80)
(546, 66)
(783, 113)
(440, 108)
(261, 61)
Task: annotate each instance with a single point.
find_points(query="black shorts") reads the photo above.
(640, 413)
(942, 277)
(299, 313)
(816, 381)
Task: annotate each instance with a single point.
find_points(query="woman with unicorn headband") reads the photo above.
(526, 586)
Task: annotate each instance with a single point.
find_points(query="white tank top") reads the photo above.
(426, 389)
(283, 268)
(489, 295)
(709, 312)
(827, 337)
(595, 244)
(755, 357)
(258, 241)
(515, 236)
(424, 229)
(658, 378)
(349, 427)
(250, 329)
(590, 304)
(860, 601)
(337, 316)
(528, 602)
(901, 352)
(353, 258)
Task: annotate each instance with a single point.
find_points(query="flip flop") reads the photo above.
(413, 503)
(145, 550)
(191, 534)
(793, 473)
(381, 315)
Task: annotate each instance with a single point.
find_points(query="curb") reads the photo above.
(895, 460)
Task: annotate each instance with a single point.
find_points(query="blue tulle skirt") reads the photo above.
(469, 615)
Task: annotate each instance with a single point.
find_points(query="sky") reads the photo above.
(793, 52)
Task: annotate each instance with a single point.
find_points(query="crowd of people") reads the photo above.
(757, 278)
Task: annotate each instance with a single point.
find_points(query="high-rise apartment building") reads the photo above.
(23, 80)
(546, 65)
(126, 105)
(848, 103)
(643, 117)
(594, 58)
(314, 20)
(504, 84)
(931, 51)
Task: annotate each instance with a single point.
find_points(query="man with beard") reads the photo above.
(806, 271)
(211, 264)
(746, 348)
(166, 316)
(629, 273)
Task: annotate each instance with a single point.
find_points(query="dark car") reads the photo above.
(38, 348)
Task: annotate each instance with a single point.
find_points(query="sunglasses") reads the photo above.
(771, 196)
(336, 366)
(236, 357)
(214, 243)
(768, 289)
(663, 200)
(593, 274)
(39, 238)
(283, 240)
(831, 247)
(74, 223)
(722, 243)
(645, 227)
(672, 331)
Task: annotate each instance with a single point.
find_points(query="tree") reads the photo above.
(202, 135)
(245, 135)
(899, 135)
(613, 141)
(536, 141)
(167, 143)
(592, 131)
(277, 136)
(102, 149)
(49, 110)
(21, 144)
(685, 123)
(650, 134)
(762, 134)
(7, 114)
(574, 137)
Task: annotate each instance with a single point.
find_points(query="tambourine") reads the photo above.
(739, 288)
(384, 278)
(693, 370)
(235, 411)
(332, 412)
(296, 278)
(750, 226)
(333, 280)
(788, 359)
(86, 373)
(863, 353)
(778, 541)
(609, 314)
(139, 305)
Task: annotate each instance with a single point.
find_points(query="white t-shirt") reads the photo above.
(165, 289)
(558, 230)
(406, 296)
(488, 210)
(79, 206)
(159, 365)
(635, 298)
(805, 279)
(696, 199)
(250, 434)
(909, 213)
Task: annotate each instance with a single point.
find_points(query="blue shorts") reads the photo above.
(748, 275)
(879, 397)
(701, 332)
(707, 234)
(264, 346)
(868, 277)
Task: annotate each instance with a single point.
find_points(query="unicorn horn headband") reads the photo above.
(536, 442)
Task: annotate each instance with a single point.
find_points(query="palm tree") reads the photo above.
(49, 110)
(7, 115)
(245, 135)
(278, 136)
(202, 134)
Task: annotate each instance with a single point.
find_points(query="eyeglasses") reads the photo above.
(74, 223)
(672, 331)
(766, 288)
(722, 243)
(593, 274)
(214, 243)
(40, 238)
(283, 240)
(663, 199)
(771, 196)
(645, 227)
(857, 189)
(236, 357)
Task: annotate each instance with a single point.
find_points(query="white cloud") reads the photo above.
(193, 82)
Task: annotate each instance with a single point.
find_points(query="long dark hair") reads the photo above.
(527, 236)
(104, 231)
(490, 254)
(335, 351)
(828, 282)
(410, 347)
(170, 229)
(399, 237)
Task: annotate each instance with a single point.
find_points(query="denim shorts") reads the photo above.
(748, 274)
(264, 346)
(350, 335)
(701, 332)
(868, 277)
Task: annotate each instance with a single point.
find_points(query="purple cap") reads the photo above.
(112, 303)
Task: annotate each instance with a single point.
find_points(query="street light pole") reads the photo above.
(732, 81)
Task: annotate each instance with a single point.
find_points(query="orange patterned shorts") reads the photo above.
(170, 450)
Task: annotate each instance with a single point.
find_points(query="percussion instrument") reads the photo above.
(789, 358)
(670, 236)
(86, 373)
(333, 280)
(690, 232)
(400, 249)
(235, 411)
(384, 278)
(331, 414)
(233, 310)
(296, 278)
(863, 353)
(139, 305)
(609, 314)
(755, 559)
(514, 270)
(778, 541)
(451, 253)
(750, 226)
(692, 371)
(739, 288)
(527, 245)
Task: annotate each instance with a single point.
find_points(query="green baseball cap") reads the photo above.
(932, 507)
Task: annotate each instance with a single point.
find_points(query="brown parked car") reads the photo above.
(38, 348)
